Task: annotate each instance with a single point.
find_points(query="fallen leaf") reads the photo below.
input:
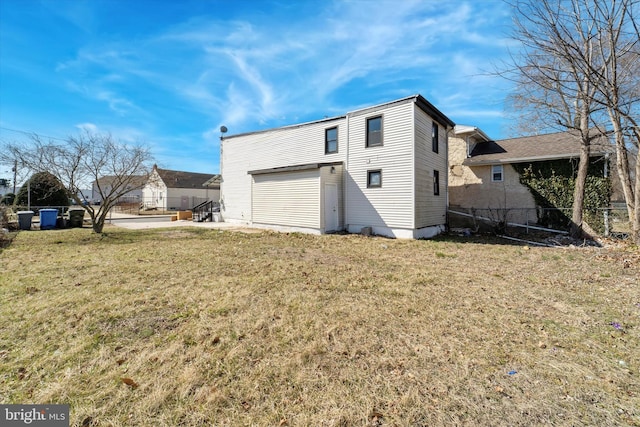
(87, 422)
(131, 383)
(375, 415)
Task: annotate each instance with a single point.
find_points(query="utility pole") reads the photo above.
(15, 174)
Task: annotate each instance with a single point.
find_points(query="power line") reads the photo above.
(32, 133)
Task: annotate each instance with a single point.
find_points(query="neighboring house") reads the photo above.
(382, 167)
(481, 172)
(104, 186)
(176, 190)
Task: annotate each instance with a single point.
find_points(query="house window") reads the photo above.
(374, 179)
(436, 183)
(496, 173)
(434, 137)
(331, 140)
(374, 131)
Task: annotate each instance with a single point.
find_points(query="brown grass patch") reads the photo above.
(226, 328)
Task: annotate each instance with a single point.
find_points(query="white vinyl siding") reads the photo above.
(288, 199)
(392, 204)
(293, 145)
(430, 209)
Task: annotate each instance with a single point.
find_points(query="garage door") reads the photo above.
(287, 198)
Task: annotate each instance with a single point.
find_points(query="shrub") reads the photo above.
(46, 190)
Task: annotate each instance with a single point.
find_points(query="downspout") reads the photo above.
(221, 180)
(446, 177)
(345, 172)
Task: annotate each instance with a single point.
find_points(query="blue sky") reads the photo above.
(170, 73)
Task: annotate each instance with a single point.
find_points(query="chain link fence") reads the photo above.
(611, 221)
(152, 206)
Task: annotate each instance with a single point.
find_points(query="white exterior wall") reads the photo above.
(404, 206)
(431, 210)
(287, 199)
(154, 192)
(391, 206)
(195, 195)
(294, 145)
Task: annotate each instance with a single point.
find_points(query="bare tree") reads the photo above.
(82, 160)
(618, 86)
(552, 90)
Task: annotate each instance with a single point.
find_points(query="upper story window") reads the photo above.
(434, 137)
(331, 140)
(497, 173)
(374, 131)
(374, 179)
(436, 183)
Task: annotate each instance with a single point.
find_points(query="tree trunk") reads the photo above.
(622, 164)
(97, 223)
(578, 193)
(635, 219)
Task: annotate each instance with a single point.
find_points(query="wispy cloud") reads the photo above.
(261, 70)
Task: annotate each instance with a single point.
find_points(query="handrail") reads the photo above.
(204, 211)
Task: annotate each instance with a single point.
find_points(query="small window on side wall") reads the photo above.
(436, 183)
(374, 131)
(331, 140)
(374, 179)
(434, 137)
(497, 173)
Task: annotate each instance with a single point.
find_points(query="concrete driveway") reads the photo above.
(140, 222)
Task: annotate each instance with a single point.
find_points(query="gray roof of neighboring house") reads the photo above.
(180, 179)
(551, 146)
(108, 180)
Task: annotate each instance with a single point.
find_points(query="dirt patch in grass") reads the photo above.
(205, 327)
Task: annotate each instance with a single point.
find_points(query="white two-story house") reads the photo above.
(381, 168)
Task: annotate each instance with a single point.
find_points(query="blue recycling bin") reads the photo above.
(48, 218)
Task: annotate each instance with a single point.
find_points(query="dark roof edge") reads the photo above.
(431, 110)
(293, 168)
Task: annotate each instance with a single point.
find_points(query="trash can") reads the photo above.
(76, 216)
(48, 218)
(24, 219)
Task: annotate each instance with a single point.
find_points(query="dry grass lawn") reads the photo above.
(195, 327)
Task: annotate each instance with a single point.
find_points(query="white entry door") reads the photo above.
(330, 207)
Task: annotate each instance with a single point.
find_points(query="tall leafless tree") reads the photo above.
(82, 160)
(618, 86)
(552, 90)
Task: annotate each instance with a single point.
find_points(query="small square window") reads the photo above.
(497, 173)
(374, 131)
(436, 183)
(374, 179)
(331, 140)
(434, 137)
